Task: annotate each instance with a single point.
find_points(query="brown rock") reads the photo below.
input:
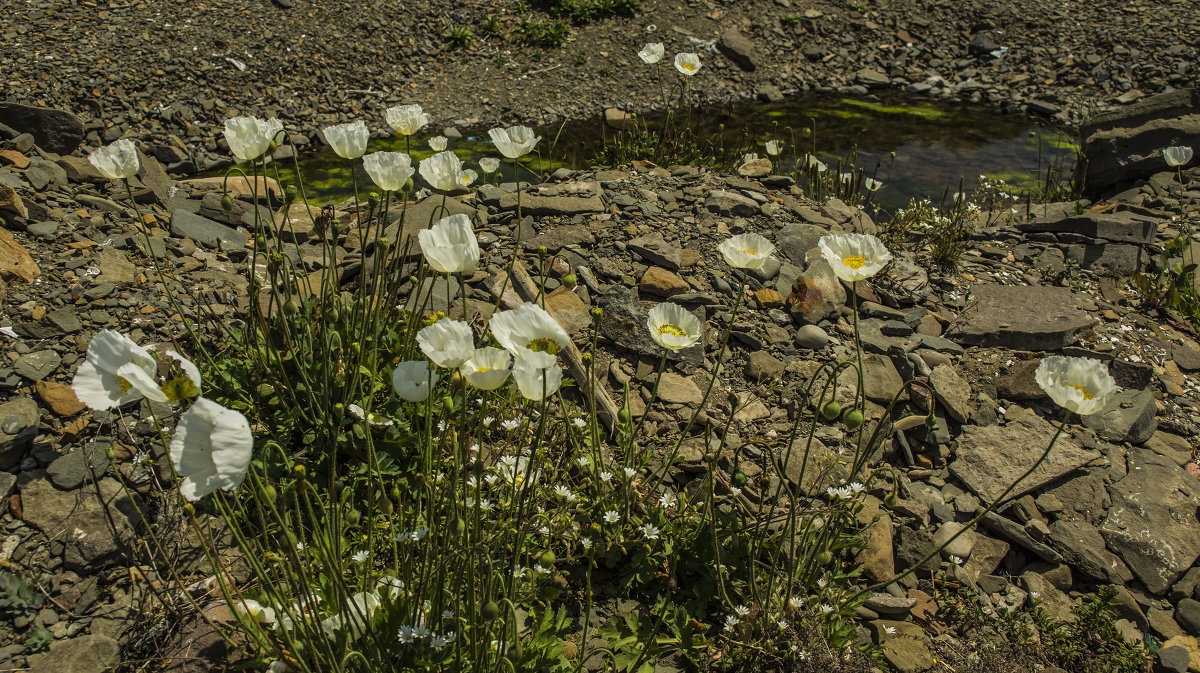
(569, 310)
(11, 201)
(59, 398)
(755, 168)
(14, 259)
(659, 282)
(14, 158)
(768, 298)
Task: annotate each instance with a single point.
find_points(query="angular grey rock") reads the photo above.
(1039, 317)
(1111, 259)
(70, 471)
(79, 518)
(952, 391)
(204, 231)
(92, 653)
(1122, 226)
(538, 205)
(817, 294)
(1126, 144)
(724, 202)
(624, 323)
(1152, 522)
(56, 131)
(37, 365)
(796, 239)
(1082, 546)
(151, 173)
(762, 365)
(990, 458)
(18, 427)
(1013, 532)
(655, 250)
(1129, 416)
(1187, 614)
(738, 48)
(872, 78)
(1174, 659)
(560, 237)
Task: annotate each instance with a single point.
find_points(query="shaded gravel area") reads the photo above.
(153, 69)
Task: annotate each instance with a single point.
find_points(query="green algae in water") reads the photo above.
(936, 144)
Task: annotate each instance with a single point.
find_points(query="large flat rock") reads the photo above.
(1125, 227)
(992, 457)
(56, 131)
(1024, 318)
(1152, 522)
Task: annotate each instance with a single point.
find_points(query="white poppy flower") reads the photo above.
(671, 326)
(211, 449)
(406, 120)
(774, 147)
(489, 164)
(115, 373)
(1082, 385)
(854, 257)
(449, 343)
(438, 143)
(487, 368)
(442, 170)
(182, 387)
(529, 333)
(514, 141)
(1177, 155)
(652, 53)
(467, 177)
(389, 170)
(749, 156)
(872, 184)
(450, 245)
(256, 611)
(118, 161)
(249, 137)
(412, 379)
(687, 64)
(348, 141)
(536, 382)
(746, 251)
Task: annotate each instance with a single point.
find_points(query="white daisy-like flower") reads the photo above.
(731, 621)
(854, 257)
(578, 422)
(667, 499)
(672, 326)
(488, 420)
(586, 542)
(746, 251)
(822, 582)
(735, 491)
(956, 560)
(360, 556)
(650, 531)
(611, 516)
(510, 424)
(826, 608)
(889, 630)
(795, 602)
(741, 610)
(1081, 385)
(629, 472)
(564, 493)
(605, 476)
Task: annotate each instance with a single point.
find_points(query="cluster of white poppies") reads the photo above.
(211, 445)
(686, 63)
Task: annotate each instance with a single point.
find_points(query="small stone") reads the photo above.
(762, 365)
(59, 398)
(18, 426)
(676, 389)
(37, 365)
(768, 298)
(659, 282)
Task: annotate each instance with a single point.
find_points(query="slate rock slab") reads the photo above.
(1125, 227)
(624, 323)
(203, 230)
(1024, 318)
(56, 131)
(18, 426)
(79, 518)
(1129, 416)
(992, 457)
(92, 653)
(1152, 523)
(538, 205)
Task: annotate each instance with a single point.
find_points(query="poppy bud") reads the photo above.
(853, 419)
(226, 203)
(489, 611)
(569, 281)
(831, 411)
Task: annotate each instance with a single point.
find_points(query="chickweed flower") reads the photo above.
(795, 602)
(652, 53)
(605, 476)
(389, 170)
(650, 531)
(118, 161)
(731, 622)
(360, 556)
(249, 137)
(511, 424)
(667, 499)
(854, 257)
(673, 327)
(411, 380)
(1177, 155)
(211, 449)
(826, 608)
(349, 141)
(611, 516)
(687, 64)
(406, 120)
(578, 422)
(746, 251)
(514, 142)
(487, 369)
(1081, 385)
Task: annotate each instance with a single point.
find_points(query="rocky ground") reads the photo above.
(169, 73)
(1114, 506)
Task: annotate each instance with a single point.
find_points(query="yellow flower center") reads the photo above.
(180, 388)
(124, 384)
(544, 345)
(480, 370)
(673, 330)
(749, 252)
(1087, 395)
(854, 261)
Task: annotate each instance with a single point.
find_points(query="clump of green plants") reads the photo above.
(458, 37)
(1170, 286)
(585, 11)
(17, 595)
(542, 32)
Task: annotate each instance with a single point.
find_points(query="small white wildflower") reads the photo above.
(440, 641)
(857, 487)
(741, 610)
(650, 531)
(540, 570)
(826, 608)
(629, 472)
(735, 491)
(441, 426)
(667, 499)
(956, 560)
(447, 614)
(579, 422)
(731, 621)
(360, 556)
(564, 493)
(544, 530)
(586, 542)
(822, 582)
(487, 421)
(582, 461)
(511, 424)
(605, 476)
(611, 516)
(781, 624)
(889, 630)
(795, 602)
